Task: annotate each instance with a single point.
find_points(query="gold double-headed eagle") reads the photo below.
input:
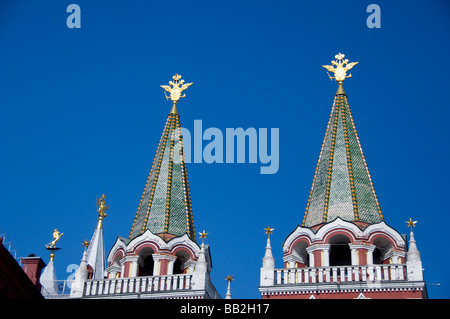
(101, 206)
(175, 88)
(339, 68)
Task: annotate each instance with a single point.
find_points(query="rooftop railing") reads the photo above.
(137, 285)
(340, 274)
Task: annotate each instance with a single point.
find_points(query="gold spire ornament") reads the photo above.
(85, 243)
(269, 231)
(411, 223)
(175, 89)
(229, 278)
(51, 246)
(339, 69)
(56, 236)
(203, 235)
(101, 210)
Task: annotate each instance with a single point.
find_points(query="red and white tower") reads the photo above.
(343, 248)
(160, 258)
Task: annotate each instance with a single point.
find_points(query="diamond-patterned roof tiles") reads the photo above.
(342, 185)
(165, 205)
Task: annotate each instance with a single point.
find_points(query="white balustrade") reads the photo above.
(338, 274)
(135, 285)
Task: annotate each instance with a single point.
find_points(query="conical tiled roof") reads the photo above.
(165, 206)
(342, 186)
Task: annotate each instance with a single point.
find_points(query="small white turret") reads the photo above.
(229, 279)
(413, 261)
(268, 263)
(80, 276)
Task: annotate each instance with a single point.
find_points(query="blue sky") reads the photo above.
(82, 111)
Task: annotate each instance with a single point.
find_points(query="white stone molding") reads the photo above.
(339, 225)
(119, 245)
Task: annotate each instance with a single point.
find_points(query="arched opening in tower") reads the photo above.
(147, 269)
(377, 254)
(180, 264)
(340, 254)
(146, 262)
(177, 267)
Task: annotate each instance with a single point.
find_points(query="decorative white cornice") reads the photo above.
(324, 247)
(357, 234)
(145, 237)
(119, 244)
(338, 224)
(382, 227)
(293, 258)
(161, 249)
(161, 245)
(368, 247)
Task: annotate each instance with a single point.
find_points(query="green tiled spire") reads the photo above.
(165, 206)
(342, 186)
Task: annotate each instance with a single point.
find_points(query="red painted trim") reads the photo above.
(339, 294)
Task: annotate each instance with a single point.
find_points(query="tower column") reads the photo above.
(171, 261)
(369, 254)
(326, 255)
(355, 260)
(397, 257)
(310, 251)
(361, 254)
(319, 255)
(157, 264)
(163, 264)
(131, 266)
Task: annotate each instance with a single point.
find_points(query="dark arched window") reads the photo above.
(377, 256)
(177, 267)
(340, 254)
(147, 269)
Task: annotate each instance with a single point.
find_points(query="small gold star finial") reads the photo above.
(269, 231)
(411, 223)
(203, 235)
(175, 88)
(229, 278)
(339, 68)
(85, 243)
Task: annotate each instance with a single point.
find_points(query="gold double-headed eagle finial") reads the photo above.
(101, 210)
(339, 68)
(175, 88)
